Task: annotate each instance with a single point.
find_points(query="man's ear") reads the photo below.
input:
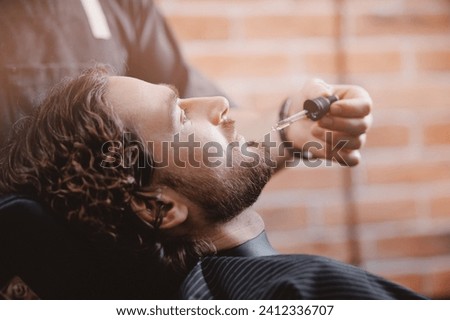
(178, 211)
(174, 216)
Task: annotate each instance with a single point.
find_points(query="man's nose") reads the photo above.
(214, 108)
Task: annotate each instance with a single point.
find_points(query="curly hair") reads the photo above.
(57, 156)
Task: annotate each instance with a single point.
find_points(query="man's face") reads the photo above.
(195, 147)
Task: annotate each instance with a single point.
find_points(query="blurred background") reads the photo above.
(391, 214)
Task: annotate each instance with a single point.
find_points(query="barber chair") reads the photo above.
(40, 257)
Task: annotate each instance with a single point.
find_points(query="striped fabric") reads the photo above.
(286, 277)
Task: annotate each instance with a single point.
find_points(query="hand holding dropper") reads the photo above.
(314, 109)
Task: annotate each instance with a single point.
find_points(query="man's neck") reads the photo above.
(256, 247)
(246, 226)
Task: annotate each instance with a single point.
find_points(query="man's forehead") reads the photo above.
(123, 87)
(136, 101)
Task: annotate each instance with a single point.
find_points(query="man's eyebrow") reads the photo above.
(175, 94)
(172, 102)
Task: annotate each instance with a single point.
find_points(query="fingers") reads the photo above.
(348, 91)
(351, 126)
(354, 101)
(342, 132)
(336, 152)
(338, 146)
(312, 89)
(351, 108)
(349, 159)
(351, 142)
(316, 88)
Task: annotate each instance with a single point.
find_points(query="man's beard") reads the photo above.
(223, 193)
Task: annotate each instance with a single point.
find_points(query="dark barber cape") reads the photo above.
(40, 253)
(255, 271)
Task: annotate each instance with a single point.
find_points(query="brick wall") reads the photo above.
(391, 214)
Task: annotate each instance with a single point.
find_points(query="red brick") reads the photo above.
(402, 24)
(414, 246)
(370, 212)
(438, 133)
(388, 136)
(415, 95)
(289, 26)
(440, 285)
(335, 215)
(440, 207)
(422, 5)
(386, 211)
(242, 64)
(284, 218)
(336, 250)
(418, 172)
(200, 27)
(298, 178)
(268, 100)
(434, 61)
(415, 282)
(373, 62)
(318, 63)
